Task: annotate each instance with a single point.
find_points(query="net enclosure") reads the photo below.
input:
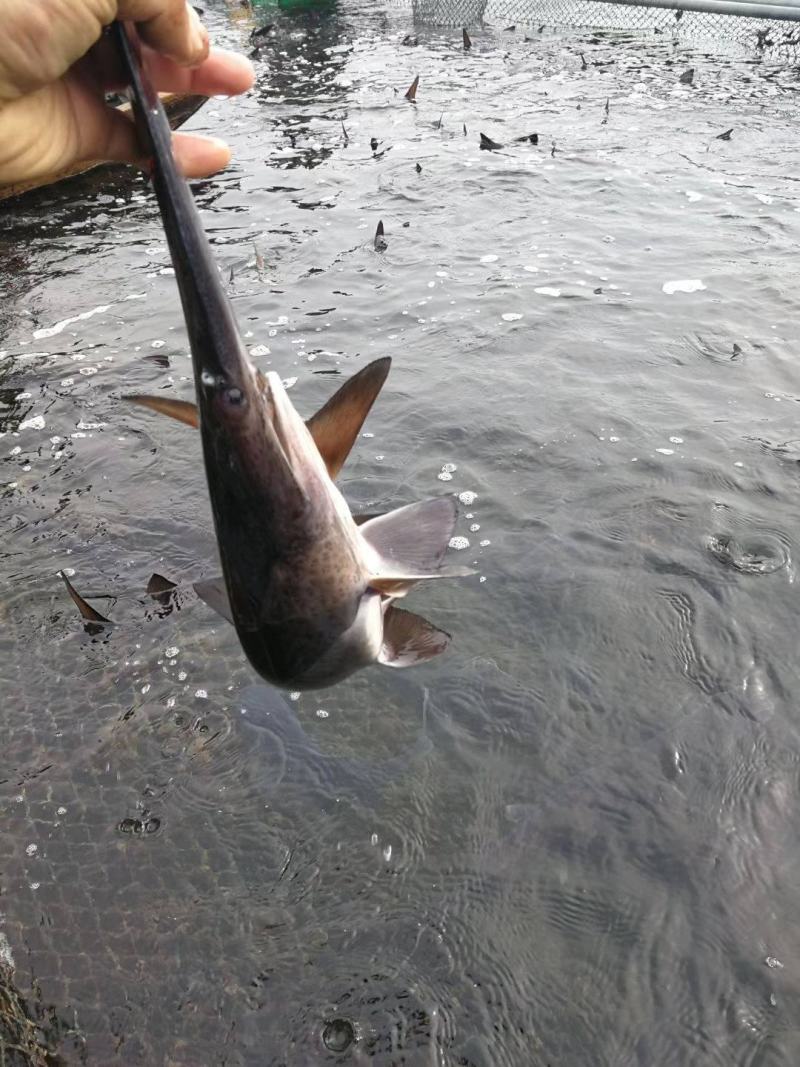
(758, 24)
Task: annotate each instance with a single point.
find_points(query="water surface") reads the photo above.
(574, 838)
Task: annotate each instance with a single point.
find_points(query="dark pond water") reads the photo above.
(572, 840)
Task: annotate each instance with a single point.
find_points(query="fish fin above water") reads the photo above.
(86, 609)
(408, 639)
(161, 590)
(182, 410)
(337, 424)
(411, 542)
(158, 585)
(215, 594)
(359, 520)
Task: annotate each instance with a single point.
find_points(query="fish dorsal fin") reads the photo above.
(336, 425)
(158, 585)
(410, 543)
(213, 591)
(182, 410)
(408, 639)
(86, 609)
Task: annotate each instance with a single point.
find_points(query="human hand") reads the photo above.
(55, 69)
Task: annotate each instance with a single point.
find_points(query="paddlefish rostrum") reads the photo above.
(310, 593)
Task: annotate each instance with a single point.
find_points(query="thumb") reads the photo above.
(196, 157)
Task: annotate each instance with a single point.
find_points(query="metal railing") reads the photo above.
(758, 24)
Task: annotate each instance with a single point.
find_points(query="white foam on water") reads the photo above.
(34, 423)
(676, 440)
(683, 285)
(259, 350)
(511, 316)
(489, 259)
(459, 543)
(51, 331)
(467, 497)
(666, 451)
(546, 290)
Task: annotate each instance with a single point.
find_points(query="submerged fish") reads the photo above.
(309, 592)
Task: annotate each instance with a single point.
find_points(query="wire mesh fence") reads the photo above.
(761, 26)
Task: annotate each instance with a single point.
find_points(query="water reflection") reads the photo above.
(304, 57)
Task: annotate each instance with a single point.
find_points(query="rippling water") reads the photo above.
(574, 838)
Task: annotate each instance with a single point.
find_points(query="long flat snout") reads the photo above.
(219, 357)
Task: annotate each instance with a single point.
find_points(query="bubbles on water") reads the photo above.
(774, 963)
(511, 316)
(36, 422)
(666, 451)
(753, 555)
(139, 827)
(459, 543)
(489, 259)
(31, 850)
(676, 440)
(171, 652)
(547, 290)
(259, 350)
(467, 497)
(682, 285)
(446, 473)
(338, 1035)
(201, 694)
(157, 344)
(322, 713)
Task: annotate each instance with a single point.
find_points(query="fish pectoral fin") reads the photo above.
(408, 639)
(182, 410)
(411, 543)
(336, 425)
(86, 609)
(215, 594)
